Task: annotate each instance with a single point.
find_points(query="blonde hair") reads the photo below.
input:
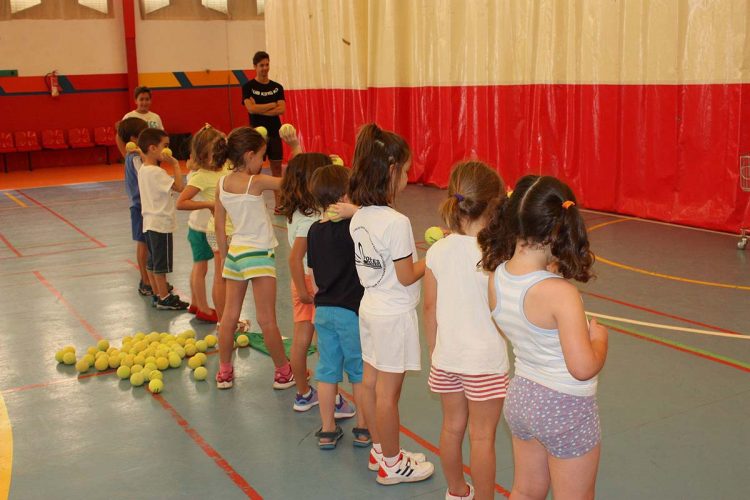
(202, 146)
(474, 188)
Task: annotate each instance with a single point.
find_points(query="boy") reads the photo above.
(330, 257)
(158, 209)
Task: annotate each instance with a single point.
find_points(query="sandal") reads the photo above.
(331, 438)
(362, 438)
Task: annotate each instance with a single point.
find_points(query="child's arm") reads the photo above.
(491, 294)
(264, 182)
(297, 269)
(429, 286)
(220, 227)
(179, 184)
(409, 272)
(186, 202)
(584, 346)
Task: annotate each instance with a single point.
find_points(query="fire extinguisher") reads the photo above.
(52, 83)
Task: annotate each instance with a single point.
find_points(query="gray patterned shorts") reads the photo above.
(566, 425)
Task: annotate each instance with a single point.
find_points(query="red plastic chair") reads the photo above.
(6, 146)
(27, 141)
(80, 138)
(105, 136)
(53, 139)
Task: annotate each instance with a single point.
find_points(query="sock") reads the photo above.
(164, 298)
(377, 448)
(391, 461)
(225, 367)
(462, 495)
(307, 394)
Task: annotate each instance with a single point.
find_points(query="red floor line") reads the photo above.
(12, 248)
(209, 450)
(55, 382)
(56, 244)
(70, 202)
(682, 349)
(92, 331)
(66, 221)
(429, 446)
(659, 313)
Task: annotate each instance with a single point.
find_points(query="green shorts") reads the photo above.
(199, 245)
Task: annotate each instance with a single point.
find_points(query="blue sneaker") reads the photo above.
(304, 403)
(344, 409)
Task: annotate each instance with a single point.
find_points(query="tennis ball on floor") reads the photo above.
(102, 345)
(127, 339)
(136, 368)
(139, 336)
(174, 360)
(69, 358)
(262, 131)
(82, 366)
(194, 362)
(92, 350)
(287, 130)
(101, 354)
(146, 374)
(155, 386)
(131, 146)
(190, 349)
(243, 340)
(201, 346)
(156, 375)
(128, 361)
(433, 234)
(140, 359)
(69, 348)
(166, 152)
(162, 363)
(59, 356)
(200, 373)
(123, 372)
(180, 351)
(150, 365)
(136, 379)
(189, 334)
(202, 357)
(211, 340)
(102, 363)
(114, 361)
(89, 359)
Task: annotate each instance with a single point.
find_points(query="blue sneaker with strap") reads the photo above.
(344, 409)
(306, 402)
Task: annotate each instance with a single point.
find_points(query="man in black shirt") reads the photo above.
(264, 100)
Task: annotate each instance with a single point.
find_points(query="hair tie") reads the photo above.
(459, 197)
(567, 204)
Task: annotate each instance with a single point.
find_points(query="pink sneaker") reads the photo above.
(225, 380)
(281, 381)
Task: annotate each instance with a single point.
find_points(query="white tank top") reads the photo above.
(537, 351)
(252, 224)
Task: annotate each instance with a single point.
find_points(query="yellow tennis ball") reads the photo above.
(69, 358)
(211, 340)
(69, 348)
(156, 386)
(82, 366)
(243, 340)
(128, 361)
(166, 152)
(146, 374)
(433, 234)
(336, 160)
(139, 360)
(262, 131)
(162, 363)
(123, 372)
(201, 346)
(136, 368)
(102, 345)
(194, 362)
(156, 375)
(200, 373)
(89, 359)
(174, 360)
(114, 361)
(180, 351)
(202, 357)
(190, 349)
(92, 350)
(131, 146)
(59, 356)
(102, 363)
(287, 130)
(136, 379)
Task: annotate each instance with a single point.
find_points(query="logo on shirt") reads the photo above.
(265, 94)
(370, 262)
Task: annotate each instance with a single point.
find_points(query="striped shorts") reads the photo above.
(245, 263)
(476, 387)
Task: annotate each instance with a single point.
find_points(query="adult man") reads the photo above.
(264, 100)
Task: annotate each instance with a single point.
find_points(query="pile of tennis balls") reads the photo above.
(143, 357)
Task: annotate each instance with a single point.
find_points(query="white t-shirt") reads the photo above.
(468, 341)
(381, 236)
(157, 202)
(298, 228)
(153, 120)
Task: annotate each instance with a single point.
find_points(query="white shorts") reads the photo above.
(390, 343)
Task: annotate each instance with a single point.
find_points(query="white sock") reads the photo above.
(377, 448)
(391, 461)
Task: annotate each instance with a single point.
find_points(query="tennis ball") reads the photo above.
(127, 339)
(243, 340)
(174, 360)
(166, 152)
(102, 345)
(123, 372)
(114, 361)
(131, 146)
(156, 375)
(89, 359)
(202, 357)
(180, 351)
(69, 358)
(139, 360)
(194, 362)
(128, 361)
(151, 360)
(336, 160)
(211, 340)
(433, 234)
(262, 131)
(146, 374)
(82, 366)
(100, 354)
(162, 363)
(59, 356)
(190, 349)
(287, 130)
(102, 363)
(200, 373)
(333, 216)
(92, 350)
(201, 346)
(189, 334)
(155, 386)
(69, 348)
(136, 368)
(136, 379)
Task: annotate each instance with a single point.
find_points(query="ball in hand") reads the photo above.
(131, 146)
(433, 234)
(166, 152)
(287, 131)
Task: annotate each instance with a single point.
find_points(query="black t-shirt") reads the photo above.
(264, 93)
(330, 254)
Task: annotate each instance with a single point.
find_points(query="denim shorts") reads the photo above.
(136, 224)
(338, 345)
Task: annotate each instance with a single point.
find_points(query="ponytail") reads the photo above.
(379, 159)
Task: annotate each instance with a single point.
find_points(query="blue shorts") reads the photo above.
(136, 224)
(338, 345)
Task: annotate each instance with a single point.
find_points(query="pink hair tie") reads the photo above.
(567, 204)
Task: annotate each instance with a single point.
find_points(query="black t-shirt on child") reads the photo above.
(264, 93)
(330, 254)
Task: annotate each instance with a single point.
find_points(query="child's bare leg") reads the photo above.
(198, 286)
(387, 394)
(218, 290)
(303, 334)
(455, 418)
(483, 419)
(159, 284)
(574, 478)
(141, 257)
(530, 470)
(367, 404)
(235, 296)
(327, 397)
(358, 393)
(264, 292)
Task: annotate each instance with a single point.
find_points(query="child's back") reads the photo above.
(331, 249)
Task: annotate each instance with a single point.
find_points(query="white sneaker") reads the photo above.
(376, 458)
(468, 496)
(406, 470)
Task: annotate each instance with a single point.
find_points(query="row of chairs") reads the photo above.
(27, 141)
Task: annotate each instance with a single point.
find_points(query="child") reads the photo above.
(250, 257)
(387, 266)
(199, 196)
(128, 131)
(330, 255)
(143, 112)
(299, 210)
(158, 209)
(551, 406)
(469, 357)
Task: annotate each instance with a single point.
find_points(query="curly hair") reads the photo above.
(295, 193)
(538, 213)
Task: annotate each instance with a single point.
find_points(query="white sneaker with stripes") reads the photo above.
(376, 458)
(406, 470)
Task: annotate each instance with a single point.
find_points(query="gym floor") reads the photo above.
(674, 395)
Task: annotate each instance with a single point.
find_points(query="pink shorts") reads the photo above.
(303, 312)
(476, 387)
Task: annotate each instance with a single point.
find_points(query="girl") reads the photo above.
(551, 406)
(250, 257)
(469, 357)
(299, 210)
(199, 196)
(387, 266)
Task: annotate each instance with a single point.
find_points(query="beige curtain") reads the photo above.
(194, 10)
(55, 9)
